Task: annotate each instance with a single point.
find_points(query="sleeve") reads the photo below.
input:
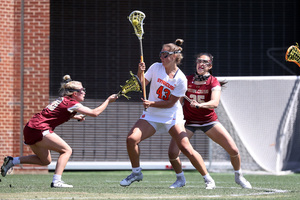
(216, 88)
(181, 87)
(75, 107)
(215, 85)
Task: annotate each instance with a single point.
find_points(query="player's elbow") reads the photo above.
(94, 114)
(215, 106)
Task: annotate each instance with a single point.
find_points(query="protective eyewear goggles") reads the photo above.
(78, 90)
(165, 54)
(205, 62)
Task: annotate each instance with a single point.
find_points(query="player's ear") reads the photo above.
(75, 94)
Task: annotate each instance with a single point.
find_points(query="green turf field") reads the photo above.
(105, 185)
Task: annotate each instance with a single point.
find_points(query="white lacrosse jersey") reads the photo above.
(161, 88)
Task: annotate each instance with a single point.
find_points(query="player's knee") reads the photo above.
(67, 151)
(174, 159)
(173, 154)
(131, 141)
(46, 162)
(234, 152)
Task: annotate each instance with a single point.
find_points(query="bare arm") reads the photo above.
(97, 111)
(161, 104)
(212, 103)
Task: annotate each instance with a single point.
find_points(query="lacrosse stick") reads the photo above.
(131, 85)
(189, 100)
(293, 54)
(136, 18)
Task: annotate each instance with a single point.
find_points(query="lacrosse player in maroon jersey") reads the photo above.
(204, 91)
(39, 131)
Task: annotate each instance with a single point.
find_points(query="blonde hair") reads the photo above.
(68, 86)
(176, 47)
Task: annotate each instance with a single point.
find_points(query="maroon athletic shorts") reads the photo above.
(32, 136)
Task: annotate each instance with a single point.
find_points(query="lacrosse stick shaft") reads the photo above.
(141, 48)
(144, 85)
(143, 75)
(189, 100)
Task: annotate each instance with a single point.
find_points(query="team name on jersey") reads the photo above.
(55, 103)
(168, 85)
(198, 91)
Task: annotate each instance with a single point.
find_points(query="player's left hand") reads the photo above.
(146, 103)
(79, 117)
(195, 104)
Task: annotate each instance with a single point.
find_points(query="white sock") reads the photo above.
(180, 175)
(16, 160)
(136, 170)
(238, 171)
(207, 177)
(56, 178)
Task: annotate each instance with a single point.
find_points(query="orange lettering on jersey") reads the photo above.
(168, 85)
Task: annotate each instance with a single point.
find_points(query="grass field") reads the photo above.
(105, 185)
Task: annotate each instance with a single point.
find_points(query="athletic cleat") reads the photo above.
(210, 185)
(239, 179)
(131, 178)
(180, 182)
(60, 184)
(7, 164)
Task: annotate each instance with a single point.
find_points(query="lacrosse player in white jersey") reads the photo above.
(163, 109)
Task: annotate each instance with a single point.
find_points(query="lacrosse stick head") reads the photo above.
(131, 85)
(136, 18)
(293, 54)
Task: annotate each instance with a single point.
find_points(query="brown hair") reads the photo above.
(176, 47)
(212, 60)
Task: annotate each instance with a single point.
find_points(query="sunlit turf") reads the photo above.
(105, 185)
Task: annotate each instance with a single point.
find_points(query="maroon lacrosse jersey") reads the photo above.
(201, 93)
(59, 111)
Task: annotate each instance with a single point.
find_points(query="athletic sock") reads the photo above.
(238, 171)
(16, 161)
(56, 178)
(136, 170)
(207, 178)
(180, 175)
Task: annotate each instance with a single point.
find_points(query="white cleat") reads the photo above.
(131, 178)
(7, 164)
(60, 184)
(180, 182)
(210, 185)
(239, 179)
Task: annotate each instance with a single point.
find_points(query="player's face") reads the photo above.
(203, 64)
(80, 94)
(165, 56)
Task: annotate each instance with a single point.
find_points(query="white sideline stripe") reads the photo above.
(214, 166)
(127, 166)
